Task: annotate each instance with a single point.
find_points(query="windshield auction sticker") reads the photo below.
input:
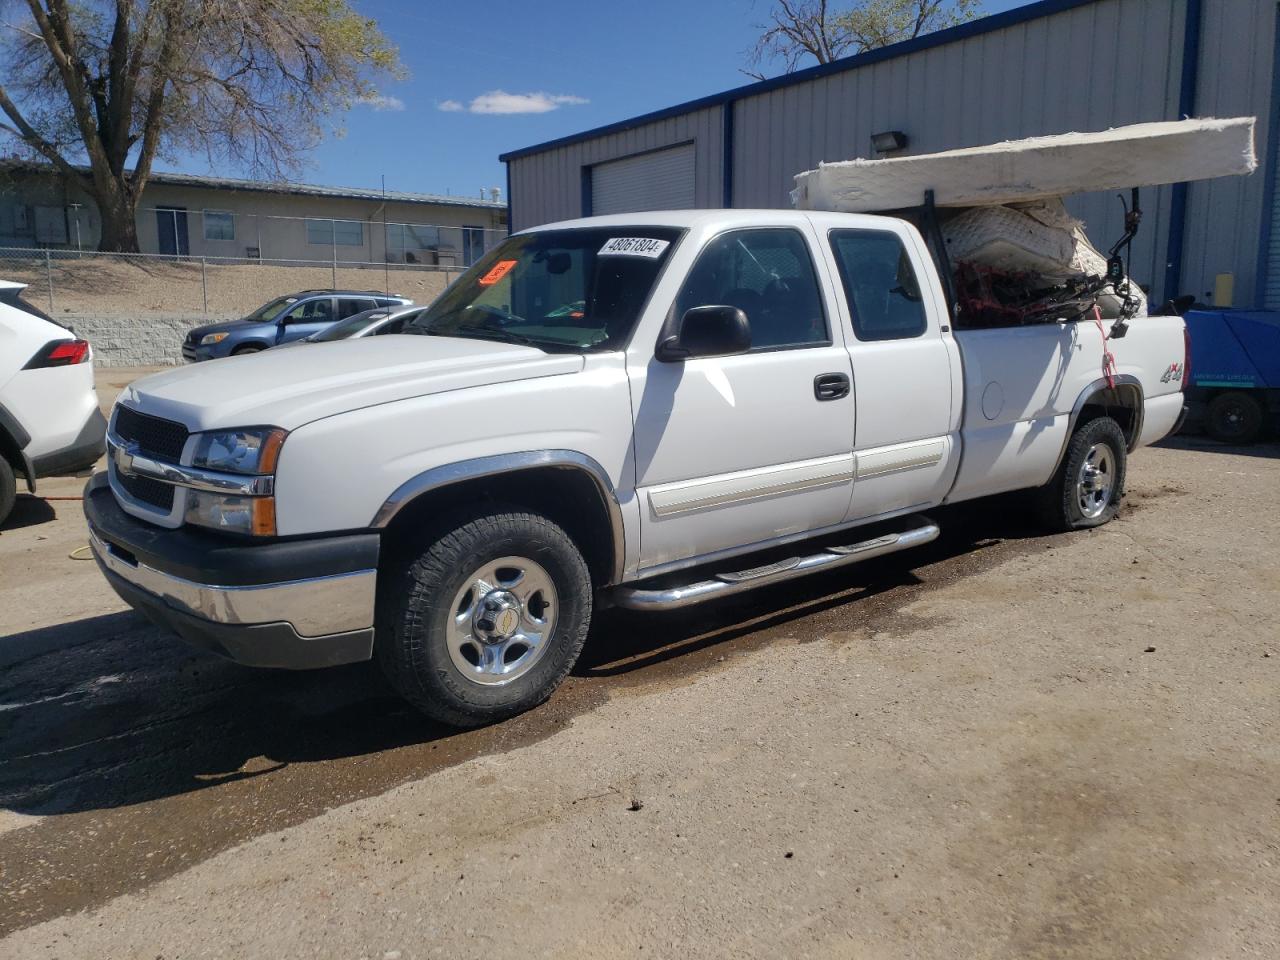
(497, 272)
(645, 247)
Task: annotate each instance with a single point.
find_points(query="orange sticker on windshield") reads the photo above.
(499, 270)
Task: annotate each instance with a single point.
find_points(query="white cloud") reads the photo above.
(501, 102)
(380, 103)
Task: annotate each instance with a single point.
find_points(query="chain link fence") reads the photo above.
(412, 260)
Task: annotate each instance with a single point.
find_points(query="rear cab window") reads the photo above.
(880, 285)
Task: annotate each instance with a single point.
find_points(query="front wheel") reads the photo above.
(488, 620)
(1086, 489)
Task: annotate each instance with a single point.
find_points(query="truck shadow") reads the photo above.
(144, 757)
(110, 711)
(1201, 443)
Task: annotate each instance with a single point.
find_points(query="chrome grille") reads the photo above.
(149, 491)
(156, 437)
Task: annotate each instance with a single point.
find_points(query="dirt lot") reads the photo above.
(1003, 745)
(117, 286)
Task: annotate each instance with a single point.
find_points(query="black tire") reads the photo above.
(1059, 502)
(1234, 417)
(251, 348)
(8, 490)
(416, 615)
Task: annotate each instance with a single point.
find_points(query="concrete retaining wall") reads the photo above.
(132, 341)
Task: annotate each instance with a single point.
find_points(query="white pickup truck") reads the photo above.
(637, 410)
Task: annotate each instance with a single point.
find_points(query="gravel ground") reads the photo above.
(1002, 745)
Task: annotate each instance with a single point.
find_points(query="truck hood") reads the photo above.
(287, 388)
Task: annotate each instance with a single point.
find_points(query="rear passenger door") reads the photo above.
(741, 450)
(905, 370)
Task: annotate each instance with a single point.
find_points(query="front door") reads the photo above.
(472, 244)
(171, 228)
(741, 450)
(308, 317)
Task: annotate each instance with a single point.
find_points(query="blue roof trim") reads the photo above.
(974, 28)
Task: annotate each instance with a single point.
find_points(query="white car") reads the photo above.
(379, 322)
(638, 410)
(50, 422)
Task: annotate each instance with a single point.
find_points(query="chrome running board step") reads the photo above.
(726, 584)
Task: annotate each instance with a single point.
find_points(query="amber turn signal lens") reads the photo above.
(264, 516)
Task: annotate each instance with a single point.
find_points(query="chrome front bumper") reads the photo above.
(313, 607)
(293, 604)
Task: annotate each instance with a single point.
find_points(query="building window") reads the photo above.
(342, 233)
(219, 225)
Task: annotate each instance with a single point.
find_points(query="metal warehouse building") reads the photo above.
(1051, 67)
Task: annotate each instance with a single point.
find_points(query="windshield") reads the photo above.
(348, 327)
(558, 290)
(271, 310)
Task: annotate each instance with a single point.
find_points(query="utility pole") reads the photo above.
(386, 252)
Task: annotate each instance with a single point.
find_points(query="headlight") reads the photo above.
(253, 450)
(254, 516)
(209, 339)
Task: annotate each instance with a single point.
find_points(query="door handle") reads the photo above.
(831, 386)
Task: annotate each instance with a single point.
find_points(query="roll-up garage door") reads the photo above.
(660, 180)
(1272, 297)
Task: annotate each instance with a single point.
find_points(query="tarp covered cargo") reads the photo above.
(1038, 168)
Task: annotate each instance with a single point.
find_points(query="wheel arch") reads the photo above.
(1122, 399)
(13, 439)
(571, 488)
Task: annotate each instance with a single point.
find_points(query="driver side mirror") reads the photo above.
(713, 331)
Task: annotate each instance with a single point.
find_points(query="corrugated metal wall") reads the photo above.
(1224, 217)
(548, 186)
(1091, 67)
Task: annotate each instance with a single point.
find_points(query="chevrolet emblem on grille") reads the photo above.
(123, 456)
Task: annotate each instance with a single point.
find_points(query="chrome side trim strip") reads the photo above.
(897, 457)
(452, 473)
(726, 584)
(128, 460)
(314, 608)
(686, 496)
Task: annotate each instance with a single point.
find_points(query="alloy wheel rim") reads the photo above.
(1096, 480)
(501, 620)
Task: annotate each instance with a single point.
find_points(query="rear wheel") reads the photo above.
(1234, 417)
(8, 489)
(1089, 483)
(488, 620)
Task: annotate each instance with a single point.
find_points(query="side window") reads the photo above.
(318, 310)
(349, 306)
(880, 285)
(395, 326)
(767, 274)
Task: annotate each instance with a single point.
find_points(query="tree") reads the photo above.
(799, 29)
(109, 85)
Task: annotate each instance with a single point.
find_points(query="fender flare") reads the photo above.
(451, 474)
(13, 442)
(1126, 380)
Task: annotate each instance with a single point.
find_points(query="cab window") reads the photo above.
(767, 274)
(880, 284)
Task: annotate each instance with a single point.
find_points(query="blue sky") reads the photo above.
(584, 63)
